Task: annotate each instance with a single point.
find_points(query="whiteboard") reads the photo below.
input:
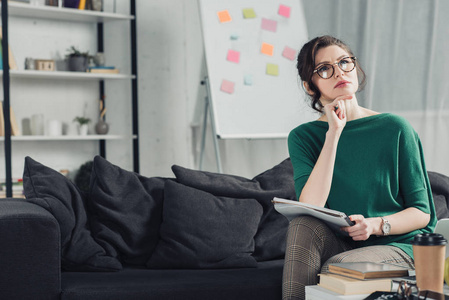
(255, 104)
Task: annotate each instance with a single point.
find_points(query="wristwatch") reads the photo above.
(386, 226)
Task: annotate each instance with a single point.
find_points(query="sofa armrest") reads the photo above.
(30, 264)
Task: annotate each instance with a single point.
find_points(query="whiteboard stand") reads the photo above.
(208, 109)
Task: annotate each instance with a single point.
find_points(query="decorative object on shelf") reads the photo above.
(26, 126)
(54, 128)
(97, 5)
(82, 122)
(37, 124)
(44, 64)
(99, 59)
(38, 2)
(61, 65)
(77, 60)
(29, 63)
(102, 127)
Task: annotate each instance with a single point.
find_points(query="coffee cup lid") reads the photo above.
(429, 239)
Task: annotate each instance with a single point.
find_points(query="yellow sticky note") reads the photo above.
(224, 16)
(267, 49)
(272, 69)
(249, 13)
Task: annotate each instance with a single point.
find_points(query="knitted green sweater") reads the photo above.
(379, 170)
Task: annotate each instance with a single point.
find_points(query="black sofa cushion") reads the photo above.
(261, 283)
(440, 192)
(202, 231)
(125, 211)
(275, 182)
(54, 192)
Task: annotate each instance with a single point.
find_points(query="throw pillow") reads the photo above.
(275, 182)
(202, 231)
(440, 191)
(125, 211)
(54, 192)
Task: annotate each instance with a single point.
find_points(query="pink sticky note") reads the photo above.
(269, 25)
(227, 86)
(233, 56)
(289, 53)
(284, 11)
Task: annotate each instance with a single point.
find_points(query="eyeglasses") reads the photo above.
(326, 71)
(408, 290)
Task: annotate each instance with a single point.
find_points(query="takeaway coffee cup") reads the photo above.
(429, 250)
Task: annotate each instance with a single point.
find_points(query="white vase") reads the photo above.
(83, 129)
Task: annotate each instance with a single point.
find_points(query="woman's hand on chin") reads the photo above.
(336, 113)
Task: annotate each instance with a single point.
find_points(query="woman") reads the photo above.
(352, 159)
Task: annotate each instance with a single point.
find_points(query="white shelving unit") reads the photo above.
(65, 75)
(89, 137)
(63, 14)
(41, 78)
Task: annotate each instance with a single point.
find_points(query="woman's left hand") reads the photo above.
(362, 229)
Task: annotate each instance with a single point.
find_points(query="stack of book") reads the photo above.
(103, 69)
(17, 189)
(357, 280)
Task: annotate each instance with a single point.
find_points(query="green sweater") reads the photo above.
(379, 170)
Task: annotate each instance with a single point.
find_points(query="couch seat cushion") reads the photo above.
(263, 282)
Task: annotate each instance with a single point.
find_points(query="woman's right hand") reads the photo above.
(336, 113)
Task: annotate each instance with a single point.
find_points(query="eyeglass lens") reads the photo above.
(326, 71)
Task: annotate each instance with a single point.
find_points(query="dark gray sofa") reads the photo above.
(41, 253)
(31, 269)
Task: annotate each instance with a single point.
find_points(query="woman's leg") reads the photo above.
(310, 243)
(380, 254)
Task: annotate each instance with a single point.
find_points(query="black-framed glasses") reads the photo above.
(346, 64)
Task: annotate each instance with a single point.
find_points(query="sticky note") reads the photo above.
(248, 79)
(269, 25)
(249, 13)
(224, 16)
(233, 56)
(227, 86)
(267, 49)
(272, 69)
(284, 11)
(234, 36)
(289, 53)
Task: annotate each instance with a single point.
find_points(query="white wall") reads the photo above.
(171, 99)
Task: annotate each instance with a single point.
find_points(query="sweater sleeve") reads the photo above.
(413, 182)
(302, 161)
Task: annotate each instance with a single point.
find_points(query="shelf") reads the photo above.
(65, 75)
(90, 137)
(63, 14)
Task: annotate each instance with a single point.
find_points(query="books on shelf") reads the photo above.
(110, 70)
(14, 125)
(350, 286)
(11, 59)
(17, 189)
(368, 270)
(292, 209)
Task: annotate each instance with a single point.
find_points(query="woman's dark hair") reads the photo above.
(306, 65)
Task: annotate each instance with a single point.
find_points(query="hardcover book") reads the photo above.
(368, 270)
(351, 286)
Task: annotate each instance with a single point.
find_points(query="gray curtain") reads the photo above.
(403, 46)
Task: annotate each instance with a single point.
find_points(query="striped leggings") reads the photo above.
(312, 245)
